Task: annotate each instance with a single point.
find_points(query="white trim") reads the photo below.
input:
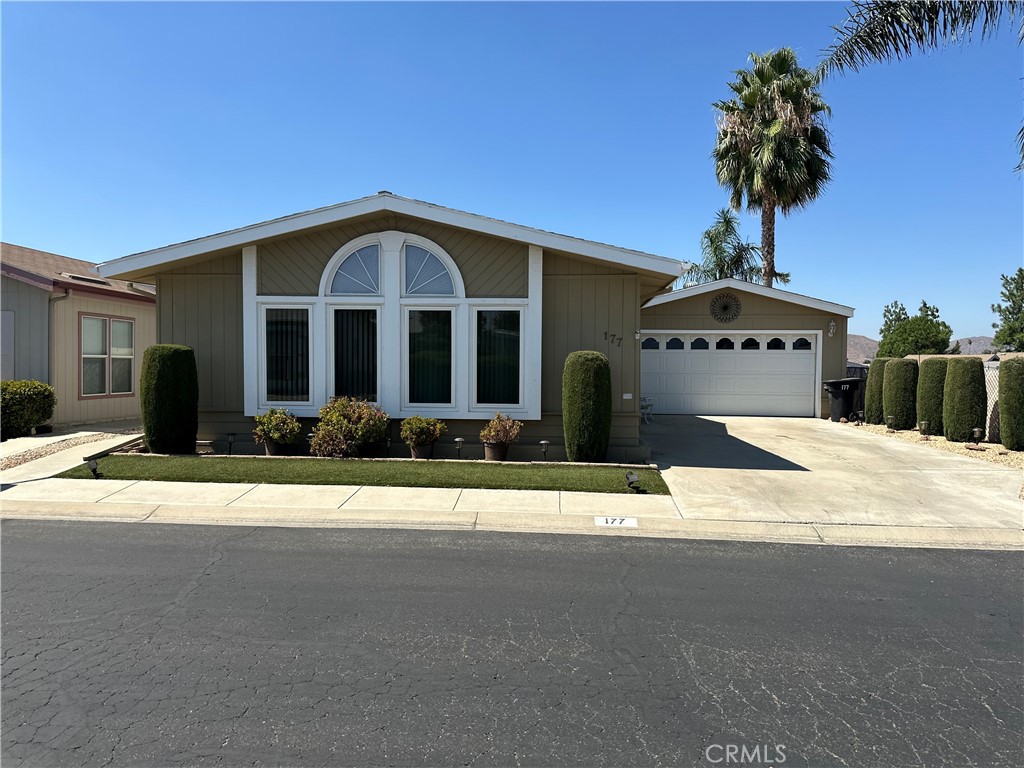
(329, 309)
(744, 332)
(381, 203)
(533, 333)
(293, 405)
(410, 408)
(490, 408)
(339, 257)
(760, 290)
(250, 333)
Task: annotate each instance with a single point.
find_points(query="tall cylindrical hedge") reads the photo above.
(169, 397)
(586, 406)
(1011, 403)
(931, 380)
(24, 405)
(899, 393)
(963, 398)
(873, 391)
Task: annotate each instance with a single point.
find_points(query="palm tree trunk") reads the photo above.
(768, 241)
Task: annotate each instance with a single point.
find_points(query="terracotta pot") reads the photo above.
(422, 451)
(495, 451)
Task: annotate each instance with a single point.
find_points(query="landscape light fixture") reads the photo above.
(631, 480)
(889, 421)
(977, 432)
(231, 442)
(544, 444)
(94, 467)
(458, 445)
(923, 428)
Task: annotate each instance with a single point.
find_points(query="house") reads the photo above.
(84, 334)
(731, 347)
(423, 309)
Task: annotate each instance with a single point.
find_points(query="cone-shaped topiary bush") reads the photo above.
(1011, 403)
(931, 380)
(963, 398)
(586, 406)
(899, 393)
(873, 391)
(169, 398)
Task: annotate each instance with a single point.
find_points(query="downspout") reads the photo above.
(49, 341)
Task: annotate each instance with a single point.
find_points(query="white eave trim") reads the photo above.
(760, 290)
(386, 202)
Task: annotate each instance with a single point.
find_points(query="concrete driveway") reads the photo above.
(791, 470)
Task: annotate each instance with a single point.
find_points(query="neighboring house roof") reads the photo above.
(384, 202)
(991, 357)
(760, 290)
(50, 272)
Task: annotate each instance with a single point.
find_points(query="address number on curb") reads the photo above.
(615, 522)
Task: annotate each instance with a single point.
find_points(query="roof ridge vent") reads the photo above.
(85, 278)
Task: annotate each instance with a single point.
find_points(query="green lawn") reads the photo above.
(431, 474)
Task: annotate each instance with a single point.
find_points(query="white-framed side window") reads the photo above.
(497, 357)
(286, 346)
(392, 324)
(107, 351)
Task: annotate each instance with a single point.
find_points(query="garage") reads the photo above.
(732, 348)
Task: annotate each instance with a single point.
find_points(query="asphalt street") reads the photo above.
(145, 645)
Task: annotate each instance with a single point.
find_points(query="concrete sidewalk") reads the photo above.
(446, 508)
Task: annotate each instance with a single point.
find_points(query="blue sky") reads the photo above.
(127, 126)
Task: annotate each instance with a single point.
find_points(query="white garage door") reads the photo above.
(739, 374)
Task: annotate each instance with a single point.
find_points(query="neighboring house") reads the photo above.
(423, 309)
(735, 348)
(65, 325)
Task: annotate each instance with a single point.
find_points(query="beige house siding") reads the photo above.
(759, 313)
(201, 306)
(31, 326)
(490, 267)
(65, 358)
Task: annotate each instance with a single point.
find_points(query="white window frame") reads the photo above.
(427, 408)
(475, 404)
(109, 357)
(265, 401)
(332, 307)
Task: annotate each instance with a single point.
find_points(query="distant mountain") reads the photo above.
(860, 348)
(976, 345)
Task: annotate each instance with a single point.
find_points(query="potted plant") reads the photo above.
(279, 431)
(420, 434)
(498, 434)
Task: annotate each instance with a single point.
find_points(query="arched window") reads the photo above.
(650, 343)
(699, 343)
(674, 343)
(359, 273)
(425, 274)
(725, 344)
(750, 343)
(802, 344)
(776, 343)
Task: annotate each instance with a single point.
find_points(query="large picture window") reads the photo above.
(430, 357)
(498, 353)
(355, 353)
(287, 354)
(108, 356)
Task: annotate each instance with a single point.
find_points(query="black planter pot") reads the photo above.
(422, 451)
(374, 450)
(281, 449)
(495, 451)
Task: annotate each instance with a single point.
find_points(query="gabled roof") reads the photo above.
(50, 271)
(760, 290)
(384, 202)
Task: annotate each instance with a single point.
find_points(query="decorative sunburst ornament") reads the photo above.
(725, 307)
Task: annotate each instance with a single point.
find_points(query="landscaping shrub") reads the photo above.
(346, 426)
(23, 405)
(873, 407)
(931, 380)
(586, 406)
(1011, 403)
(169, 398)
(899, 393)
(417, 430)
(963, 398)
(278, 426)
(501, 429)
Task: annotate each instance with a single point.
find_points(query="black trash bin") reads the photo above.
(843, 396)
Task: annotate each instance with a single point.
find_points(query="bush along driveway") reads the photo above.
(424, 474)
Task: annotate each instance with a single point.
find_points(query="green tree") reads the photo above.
(727, 254)
(884, 30)
(1010, 328)
(922, 334)
(772, 150)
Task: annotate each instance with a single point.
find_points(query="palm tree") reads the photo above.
(772, 149)
(726, 254)
(884, 30)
